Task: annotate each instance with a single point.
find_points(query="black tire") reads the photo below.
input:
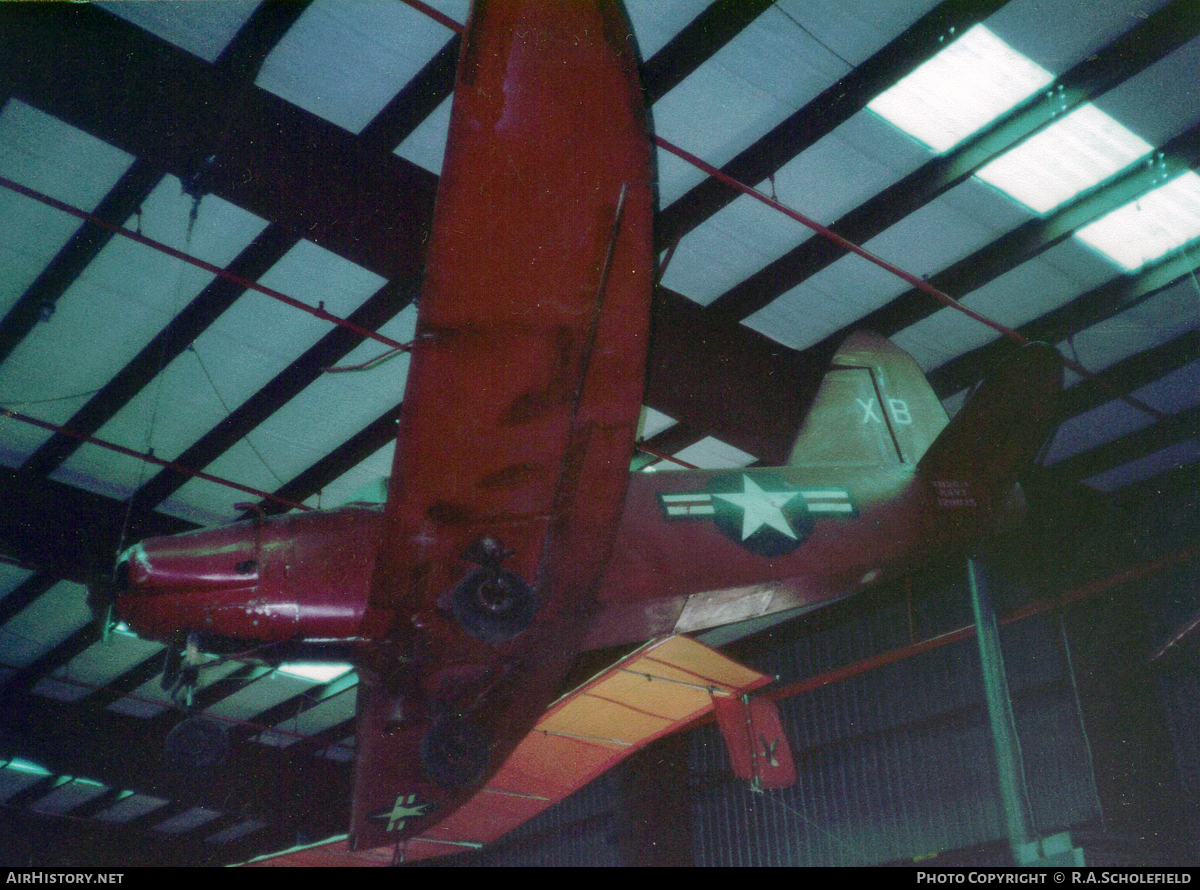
(493, 604)
(196, 744)
(454, 752)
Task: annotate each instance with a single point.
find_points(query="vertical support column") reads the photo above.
(1013, 792)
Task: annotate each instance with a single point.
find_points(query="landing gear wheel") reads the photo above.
(196, 744)
(454, 752)
(493, 604)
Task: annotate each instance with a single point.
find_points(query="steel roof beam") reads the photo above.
(342, 459)
(1182, 480)
(673, 439)
(244, 55)
(418, 99)
(1131, 373)
(82, 740)
(727, 379)
(221, 293)
(373, 208)
(1099, 304)
(824, 114)
(48, 662)
(162, 104)
(1134, 51)
(380, 308)
(1130, 447)
(24, 594)
(37, 303)
(70, 532)
(288, 709)
(241, 59)
(1034, 237)
(696, 43)
(30, 840)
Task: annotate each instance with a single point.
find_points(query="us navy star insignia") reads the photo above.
(760, 508)
(764, 513)
(406, 807)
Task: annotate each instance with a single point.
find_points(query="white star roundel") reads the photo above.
(760, 508)
(766, 514)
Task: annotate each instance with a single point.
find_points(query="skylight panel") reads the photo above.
(24, 766)
(961, 90)
(1071, 155)
(186, 821)
(345, 61)
(317, 672)
(203, 29)
(711, 453)
(653, 422)
(1148, 227)
(426, 145)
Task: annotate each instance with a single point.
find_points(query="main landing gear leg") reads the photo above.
(492, 603)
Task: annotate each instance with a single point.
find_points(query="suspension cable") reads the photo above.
(149, 457)
(919, 283)
(317, 311)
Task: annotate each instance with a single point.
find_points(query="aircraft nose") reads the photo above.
(166, 585)
(187, 564)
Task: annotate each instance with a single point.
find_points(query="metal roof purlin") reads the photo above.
(262, 253)
(823, 114)
(1134, 51)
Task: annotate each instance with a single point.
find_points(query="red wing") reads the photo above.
(537, 281)
(519, 412)
(663, 686)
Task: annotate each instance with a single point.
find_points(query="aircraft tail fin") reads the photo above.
(1003, 424)
(874, 408)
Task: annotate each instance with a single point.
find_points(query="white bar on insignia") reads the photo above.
(830, 508)
(680, 498)
(693, 510)
(841, 495)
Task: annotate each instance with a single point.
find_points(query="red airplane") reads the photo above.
(514, 536)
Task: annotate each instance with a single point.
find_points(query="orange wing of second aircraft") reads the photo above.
(661, 687)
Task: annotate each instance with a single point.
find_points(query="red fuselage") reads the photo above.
(307, 576)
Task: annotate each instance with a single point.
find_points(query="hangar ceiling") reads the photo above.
(1034, 160)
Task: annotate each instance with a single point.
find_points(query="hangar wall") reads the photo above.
(896, 763)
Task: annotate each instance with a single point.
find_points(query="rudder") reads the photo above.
(1003, 424)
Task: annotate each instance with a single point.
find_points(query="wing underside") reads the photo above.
(656, 690)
